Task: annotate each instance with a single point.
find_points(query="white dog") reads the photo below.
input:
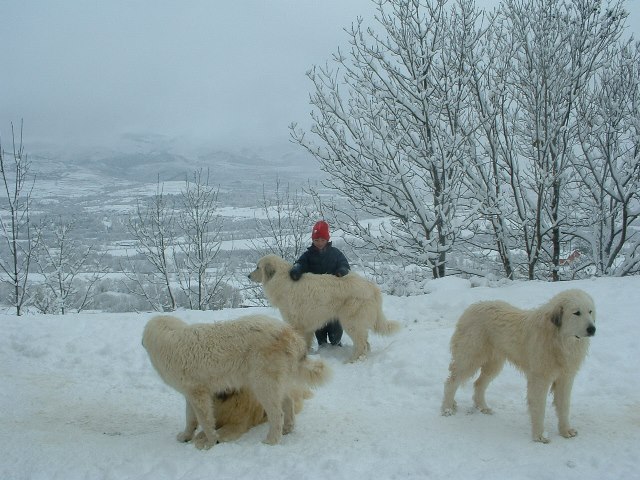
(202, 361)
(548, 344)
(309, 303)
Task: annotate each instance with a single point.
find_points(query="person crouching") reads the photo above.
(321, 258)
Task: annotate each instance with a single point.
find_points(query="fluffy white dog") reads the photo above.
(548, 344)
(256, 353)
(309, 303)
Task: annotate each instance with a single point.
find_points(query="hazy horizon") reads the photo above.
(96, 74)
(87, 73)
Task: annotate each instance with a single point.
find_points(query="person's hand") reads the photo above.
(295, 274)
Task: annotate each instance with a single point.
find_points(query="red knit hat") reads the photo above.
(320, 230)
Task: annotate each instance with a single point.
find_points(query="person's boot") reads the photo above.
(334, 330)
(321, 336)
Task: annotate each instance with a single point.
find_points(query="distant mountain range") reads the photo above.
(145, 162)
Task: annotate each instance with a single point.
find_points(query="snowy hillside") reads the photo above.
(80, 400)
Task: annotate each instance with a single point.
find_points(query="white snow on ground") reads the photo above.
(80, 400)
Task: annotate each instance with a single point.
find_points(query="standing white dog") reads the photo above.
(548, 344)
(309, 303)
(255, 352)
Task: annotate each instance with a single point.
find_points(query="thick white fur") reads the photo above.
(311, 302)
(548, 344)
(258, 353)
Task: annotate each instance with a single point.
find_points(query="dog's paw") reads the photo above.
(569, 433)
(287, 428)
(204, 445)
(184, 437)
(485, 410)
(202, 442)
(541, 439)
(356, 358)
(271, 441)
(448, 410)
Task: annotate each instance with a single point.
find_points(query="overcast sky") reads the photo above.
(230, 72)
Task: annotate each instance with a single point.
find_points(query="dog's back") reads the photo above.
(488, 322)
(228, 355)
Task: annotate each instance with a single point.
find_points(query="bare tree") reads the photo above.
(490, 199)
(201, 274)
(282, 223)
(18, 234)
(559, 47)
(537, 61)
(392, 122)
(69, 273)
(153, 229)
(609, 165)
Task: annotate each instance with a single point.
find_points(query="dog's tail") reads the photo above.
(383, 326)
(313, 372)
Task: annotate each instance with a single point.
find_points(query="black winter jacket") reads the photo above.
(329, 260)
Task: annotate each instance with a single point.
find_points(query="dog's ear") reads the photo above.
(269, 271)
(556, 316)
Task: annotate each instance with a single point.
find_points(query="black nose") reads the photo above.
(591, 330)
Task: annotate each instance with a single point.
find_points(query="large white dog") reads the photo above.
(311, 302)
(258, 353)
(548, 344)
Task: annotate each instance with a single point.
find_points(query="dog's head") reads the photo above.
(574, 313)
(265, 269)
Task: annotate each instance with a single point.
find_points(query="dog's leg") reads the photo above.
(488, 372)
(449, 405)
(561, 399)
(360, 339)
(202, 404)
(308, 338)
(275, 416)
(459, 372)
(270, 399)
(537, 391)
(289, 414)
(191, 424)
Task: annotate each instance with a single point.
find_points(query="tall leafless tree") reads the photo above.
(490, 200)
(608, 165)
(391, 122)
(556, 48)
(201, 274)
(153, 230)
(282, 222)
(69, 272)
(537, 59)
(18, 234)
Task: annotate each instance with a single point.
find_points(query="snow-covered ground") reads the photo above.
(80, 400)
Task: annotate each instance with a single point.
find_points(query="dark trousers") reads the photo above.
(331, 331)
